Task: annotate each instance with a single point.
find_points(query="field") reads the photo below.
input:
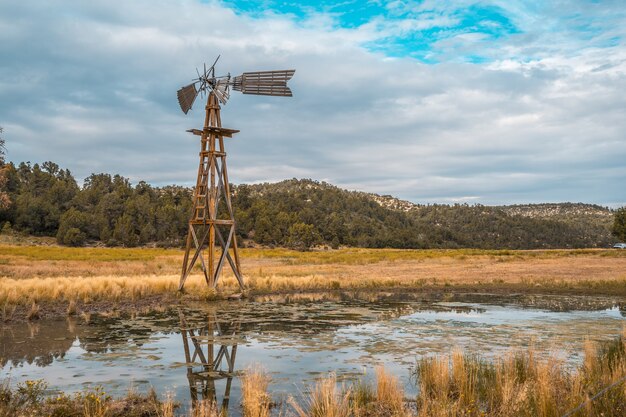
(55, 275)
(45, 280)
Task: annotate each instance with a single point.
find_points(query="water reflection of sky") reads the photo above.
(294, 343)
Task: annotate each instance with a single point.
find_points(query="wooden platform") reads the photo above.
(219, 131)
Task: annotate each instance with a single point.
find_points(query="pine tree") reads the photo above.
(619, 224)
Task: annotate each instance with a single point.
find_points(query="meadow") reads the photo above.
(34, 276)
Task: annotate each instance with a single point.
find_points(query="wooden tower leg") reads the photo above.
(211, 220)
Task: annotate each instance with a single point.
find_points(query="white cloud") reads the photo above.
(92, 87)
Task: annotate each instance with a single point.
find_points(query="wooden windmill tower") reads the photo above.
(212, 223)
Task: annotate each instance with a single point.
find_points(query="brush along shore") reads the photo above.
(516, 384)
(47, 281)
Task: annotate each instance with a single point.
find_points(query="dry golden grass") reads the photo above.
(255, 401)
(33, 313)
(519, 384)
(206, 408)
(167, 407)
(49, 273)
(324, 400)
(389, 394)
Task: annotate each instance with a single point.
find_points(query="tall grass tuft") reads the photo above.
(324, 400)
(71, 308)
(8, 311)
(33, 313)
(362, 397)
(206, 408)
(167, 407)
(255, 400)
(389, 394)
(520, 384)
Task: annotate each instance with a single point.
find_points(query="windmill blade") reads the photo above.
(213, 66)
(186, 97)
(265, 83)
(221, 91)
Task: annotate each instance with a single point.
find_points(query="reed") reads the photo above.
(7, 311)
(389, 394)
(255, 400)
(520, 384)
(324, 400)
(360, 399)
(206, 408)
(33, 313)
(362, 396)
(71, 308)
(167, 407)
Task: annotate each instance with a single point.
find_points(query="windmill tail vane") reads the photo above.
(263, 83)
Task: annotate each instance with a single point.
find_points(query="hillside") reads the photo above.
(46, 201)
(353, 218)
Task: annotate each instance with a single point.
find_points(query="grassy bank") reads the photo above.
(518, 384)
(52, 252)
(42, 276)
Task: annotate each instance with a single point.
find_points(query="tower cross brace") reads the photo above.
(212, 221)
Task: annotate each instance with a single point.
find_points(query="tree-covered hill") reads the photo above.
(107, 209)
(361, 219)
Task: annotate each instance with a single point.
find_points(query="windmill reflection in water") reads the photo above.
(210, 353)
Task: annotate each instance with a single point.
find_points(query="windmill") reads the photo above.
(212, 219)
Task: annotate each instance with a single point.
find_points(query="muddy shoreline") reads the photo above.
(59, 309)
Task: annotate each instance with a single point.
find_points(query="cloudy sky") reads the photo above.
(490, 102)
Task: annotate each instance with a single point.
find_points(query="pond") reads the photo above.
(200, 350)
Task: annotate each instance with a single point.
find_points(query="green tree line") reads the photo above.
(46, 200)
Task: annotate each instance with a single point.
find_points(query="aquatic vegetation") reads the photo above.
(255, 400)
(28, 400)
(7, 311)
(324, 400)
(71, 308)
(33, 313)
(206, 408)
(167, 407)
(360, 399)
(389, 394)
(519, 384)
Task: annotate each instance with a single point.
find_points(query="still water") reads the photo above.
(199, 351)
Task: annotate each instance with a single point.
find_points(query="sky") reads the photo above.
(479, 102)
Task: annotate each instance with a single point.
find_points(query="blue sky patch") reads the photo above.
(349, 14)
(406, 29)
